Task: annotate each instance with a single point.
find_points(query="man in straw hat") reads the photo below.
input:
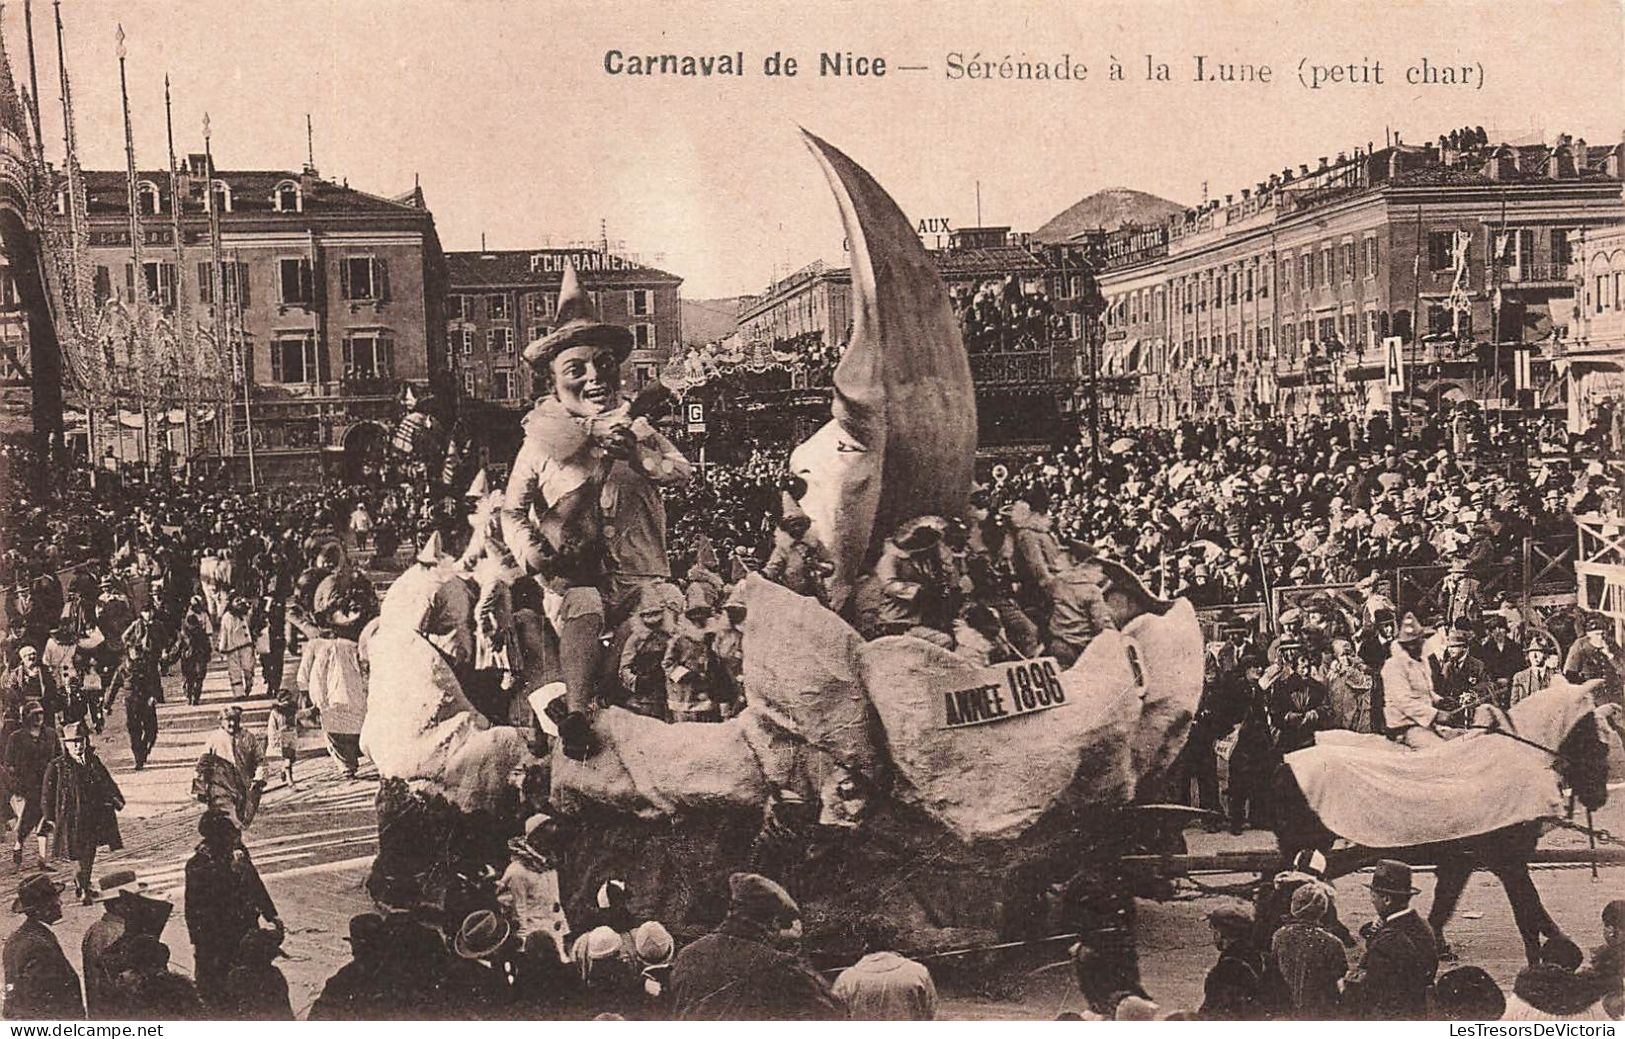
(1410, 714)
(582, 509)
(1401, 952)
(40, 982)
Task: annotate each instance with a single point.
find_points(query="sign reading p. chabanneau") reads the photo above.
(1000, 692)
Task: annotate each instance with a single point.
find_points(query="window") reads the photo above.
(1348, 261)
(293, 360)
(1328, 327)
(1235, 287)
(1252, 276)
(159, 282)
(466, 341)
(103, 285)
(642, 302)
(1602, 290)
(1218, 289)
(643, 336)
(1306, 272)
(544, 305)
(1619, 302)
(1560, 247)
(148, 201)
(236, 282)
(1373, 330)
(1286, 274)
(503, 384)
(295, 280)
(496, 306)
(220, 195)
(1289, 332)
(287, 198)
(364, 278)
(459, 308)
(499, 341)
(468, 383)
(1370, 257)
(1326, 270)
(1440, 244)
(369, 355)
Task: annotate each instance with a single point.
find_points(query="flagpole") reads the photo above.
(185, 353)
(248, 374)
(138, 289)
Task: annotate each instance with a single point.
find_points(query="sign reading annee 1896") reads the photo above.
(999, 692)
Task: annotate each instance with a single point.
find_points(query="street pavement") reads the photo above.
(315, 844)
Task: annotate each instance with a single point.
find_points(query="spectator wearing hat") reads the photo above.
(1593, 657)
(28, 751)
(1502, 656)
(125, 909)
(358, 991)
(1464, 684)
(1466, 994)
(80, 803)
(583, 504)
(1540, 656)
(740, 972)
(225, 899)
(67, 665)
(40, 982)
(31, 682)
(1401, 952)
(1348, 688)
(257, 989)
(1298, 705)
(1410, 714)
(653, 951)
(1038, 557)
(604, 970)
(1308, 957)
(688, 668)
(192, 650)
(1234, 987)
(139, 986)
(1555, 988)
(885, 985)
(476, 983)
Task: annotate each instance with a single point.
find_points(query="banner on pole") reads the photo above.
(1522, 358)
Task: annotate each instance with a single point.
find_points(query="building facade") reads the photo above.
(326, 300)
(500, 301)
(1593, 353)
(1026, 373)
(1280, 300)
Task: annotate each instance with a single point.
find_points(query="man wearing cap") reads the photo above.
(231, 746)
(1234, 987)
(643, 654)
(1298, 704)
(41, 984)
(1401, 952)
(1408, 708)
(235, 643)
(28, 753)
(1593, 657)
(1501, 654)
(740, 972)
(582, 508)
(907, 592)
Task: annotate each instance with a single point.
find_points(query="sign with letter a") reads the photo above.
(1393, 363)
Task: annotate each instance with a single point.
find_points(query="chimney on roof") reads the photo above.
(1303, 169)
(1582, 155)
(1228, 198)
(1612, 165)
(1560, 164)
(1502, 164)
(1322, 163)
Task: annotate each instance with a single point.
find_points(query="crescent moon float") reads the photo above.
(902, 439)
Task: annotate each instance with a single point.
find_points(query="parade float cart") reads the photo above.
(888, 776)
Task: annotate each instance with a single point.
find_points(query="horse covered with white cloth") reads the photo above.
(1480, 801)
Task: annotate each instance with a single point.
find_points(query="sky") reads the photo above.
(505, 114)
